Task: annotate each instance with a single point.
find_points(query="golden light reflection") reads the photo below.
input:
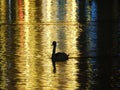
(71, 8)
(46, 10)
(29, 49)
(71, 42)
(26, 8)
(3, 6)
(3, 59)
(29, 9)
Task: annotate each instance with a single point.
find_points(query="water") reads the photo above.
(27, 29)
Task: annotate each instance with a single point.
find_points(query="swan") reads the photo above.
(59, 56)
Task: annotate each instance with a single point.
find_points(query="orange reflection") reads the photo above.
(20, 10)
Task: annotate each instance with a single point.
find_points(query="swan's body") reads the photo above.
(61, 56)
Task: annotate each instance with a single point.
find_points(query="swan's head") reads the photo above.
(54, 43)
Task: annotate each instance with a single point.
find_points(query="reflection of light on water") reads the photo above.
(71, 36)
(3, 11)
(29, 9)
(94, 11)
(20, 12)
(71, 8)
(71, 31)
(87, 10)
(29, 56)
(3, 60)
(9, 8)
(91, 45)
(46, 10)
(26, 8)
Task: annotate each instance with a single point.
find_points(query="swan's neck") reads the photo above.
(54, 50)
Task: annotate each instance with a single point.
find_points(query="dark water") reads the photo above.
(27, 29)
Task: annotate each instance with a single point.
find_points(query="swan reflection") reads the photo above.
(59, 56)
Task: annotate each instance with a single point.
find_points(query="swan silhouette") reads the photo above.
(57, 57)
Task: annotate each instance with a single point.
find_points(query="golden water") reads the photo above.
(26, 44)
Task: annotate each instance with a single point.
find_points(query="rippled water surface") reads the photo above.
(27, 30)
